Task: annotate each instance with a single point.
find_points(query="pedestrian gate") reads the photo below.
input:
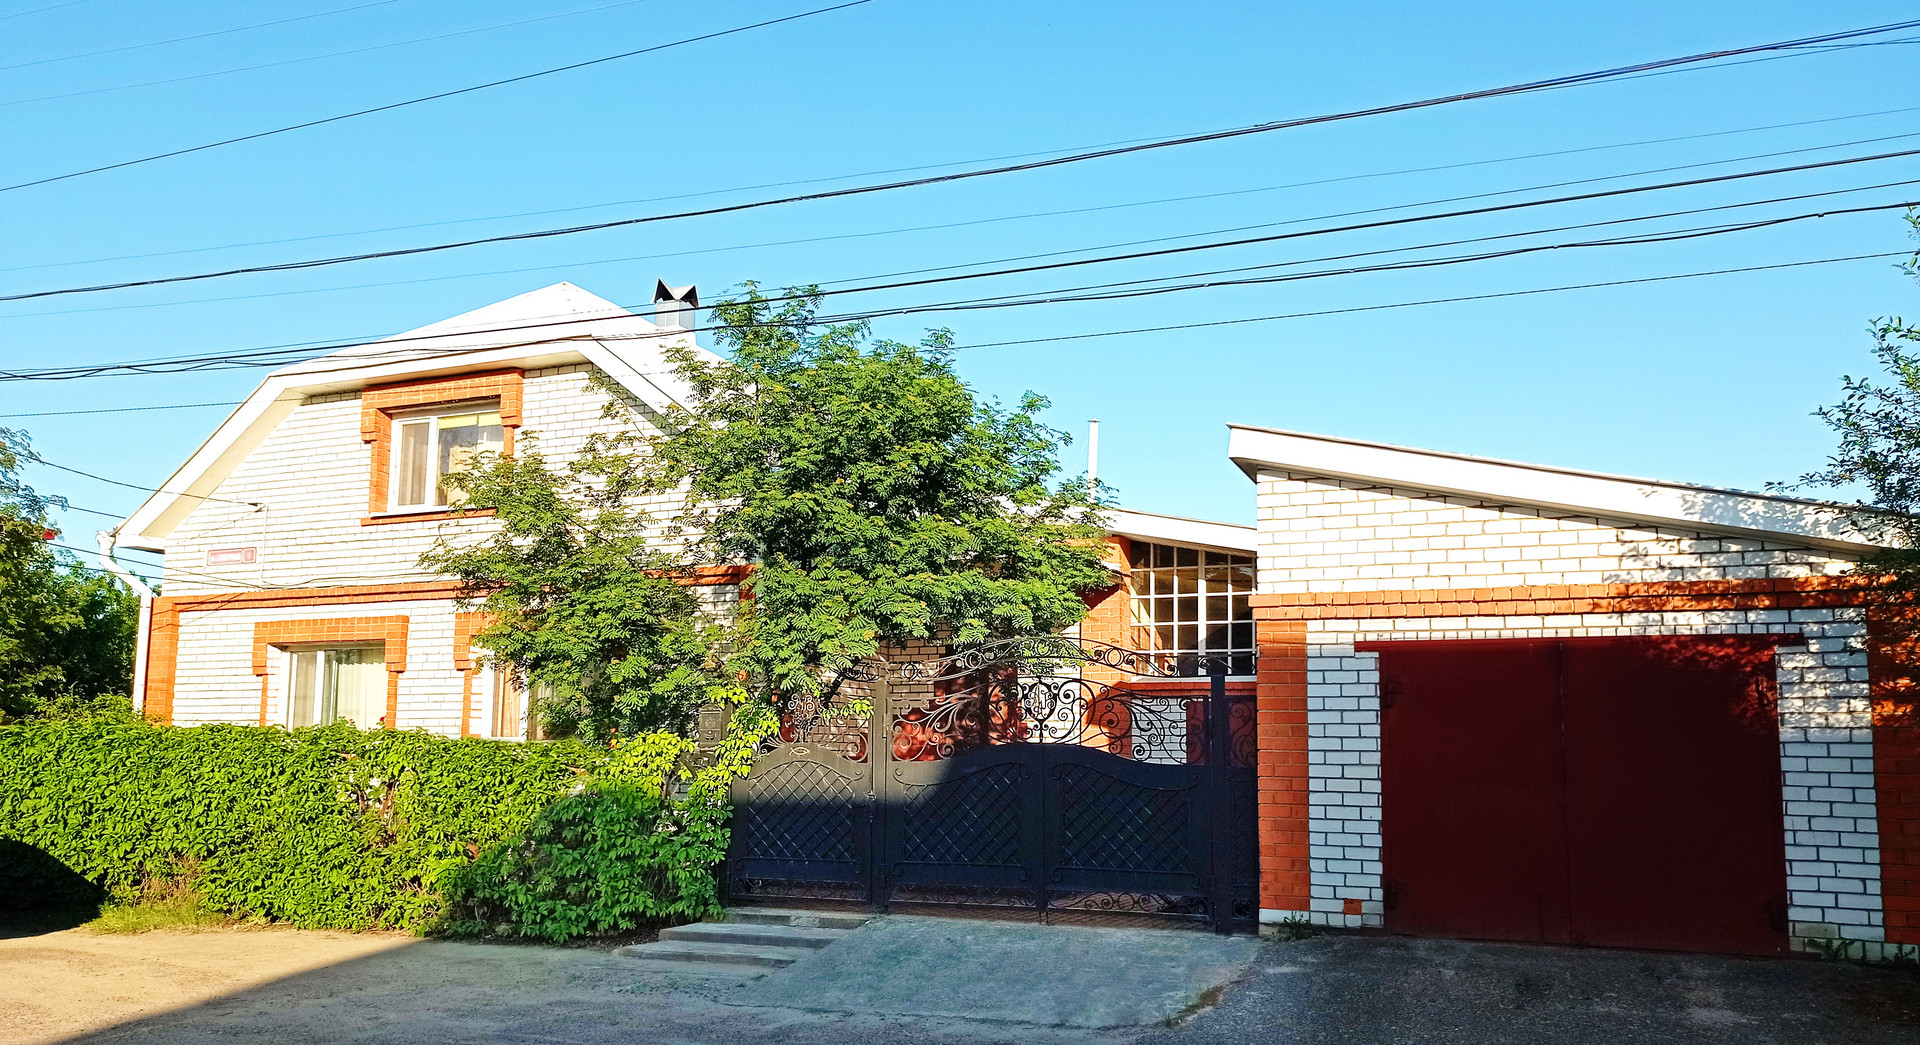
(1045, 774)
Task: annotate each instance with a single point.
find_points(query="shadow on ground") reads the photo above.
(39, 893)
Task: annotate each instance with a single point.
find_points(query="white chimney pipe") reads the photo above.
(675, 308)
(1093, 457)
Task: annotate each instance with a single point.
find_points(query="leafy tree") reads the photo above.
(877, 497)
(66, 633)
(1878, 424)
(584, 607)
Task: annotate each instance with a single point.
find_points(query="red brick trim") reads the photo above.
(465, 626)
(1543, 599)
(379, 402)
(1280, 702)
(421, 517)
(281, 597)
(163, 653)
(163, 635)
(391, 632)
(712, 576)
(1894, 667)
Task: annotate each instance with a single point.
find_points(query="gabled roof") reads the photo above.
(554, 326)
(1654, 502)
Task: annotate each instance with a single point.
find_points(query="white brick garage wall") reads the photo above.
(1323, 538)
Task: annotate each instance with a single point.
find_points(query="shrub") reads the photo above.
(332, 827)
(620, 854)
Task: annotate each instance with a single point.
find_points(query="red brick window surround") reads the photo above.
(390, 632)
(379, 403)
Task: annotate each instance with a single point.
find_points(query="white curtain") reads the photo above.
(358, 678)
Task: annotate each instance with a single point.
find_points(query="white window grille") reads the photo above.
(1193, 602)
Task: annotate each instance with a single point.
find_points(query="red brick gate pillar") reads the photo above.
(1285, 876)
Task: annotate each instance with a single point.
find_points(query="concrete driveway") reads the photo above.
(285, 986)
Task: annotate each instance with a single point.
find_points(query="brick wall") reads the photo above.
(318, 562)
(1350, 563)
(311, 475)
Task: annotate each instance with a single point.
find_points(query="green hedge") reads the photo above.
(338, 828)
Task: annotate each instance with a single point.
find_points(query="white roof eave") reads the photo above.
(1590, 494)
(1174, 529)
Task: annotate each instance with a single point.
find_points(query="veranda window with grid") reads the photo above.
(1193, 602)
(430, 445)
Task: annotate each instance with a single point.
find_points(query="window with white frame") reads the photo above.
(1193, 602)
(429, 446)
(507, 713)
(326, 685)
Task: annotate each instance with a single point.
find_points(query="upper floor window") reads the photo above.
(427, 447)
(326, 685)
(1193, 602)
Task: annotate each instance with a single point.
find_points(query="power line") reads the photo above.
(282, 350)
(276, 356)
(1262, 128)
(317, 57)
(434, 97)
(37, 459)
(950, 225)
(1436, 301)
(1137, 255)
(115, 410)
(38, 10)
(940, 268)
(196, 36)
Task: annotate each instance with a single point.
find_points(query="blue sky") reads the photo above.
(1708, 380)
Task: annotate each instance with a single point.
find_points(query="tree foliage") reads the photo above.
(1878, 456)
(583, 605)
(66, 633)
(877, 497)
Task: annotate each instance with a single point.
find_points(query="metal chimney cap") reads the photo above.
(687, 294)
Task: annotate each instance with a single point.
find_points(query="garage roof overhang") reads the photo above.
(1787, 520)
(1174, 529)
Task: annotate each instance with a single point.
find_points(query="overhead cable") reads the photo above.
(431, 97)
(1262, 128)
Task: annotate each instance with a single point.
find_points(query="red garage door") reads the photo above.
(1622, 792)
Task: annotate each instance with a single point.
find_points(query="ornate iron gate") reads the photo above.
(1043, 774)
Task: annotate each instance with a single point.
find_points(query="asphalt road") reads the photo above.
(1358, 990)
(286, 987)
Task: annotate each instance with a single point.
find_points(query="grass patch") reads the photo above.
(165, 903)
(144, 916)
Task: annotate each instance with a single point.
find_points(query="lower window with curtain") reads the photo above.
(327, 685)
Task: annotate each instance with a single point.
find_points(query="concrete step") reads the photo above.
(718, 953)
(802, 919)
(753, 934)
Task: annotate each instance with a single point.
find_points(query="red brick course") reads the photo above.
(1281, 726)
(390, 632)
(377, 406)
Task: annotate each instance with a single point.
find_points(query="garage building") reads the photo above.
(1509, 701)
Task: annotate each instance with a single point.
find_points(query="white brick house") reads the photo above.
(292, 536)
(297, 527)
(1413, 585)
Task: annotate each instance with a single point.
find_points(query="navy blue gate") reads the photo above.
(1048, 775)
